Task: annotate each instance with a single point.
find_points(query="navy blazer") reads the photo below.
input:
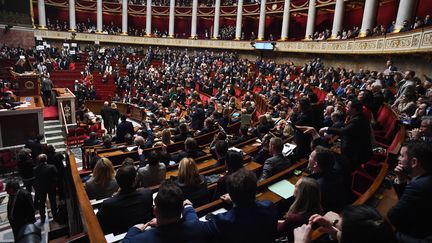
(412, 214)
(188, 230)
(253, 223)
(122, 129)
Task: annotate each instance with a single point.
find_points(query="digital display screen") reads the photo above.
(264, 46)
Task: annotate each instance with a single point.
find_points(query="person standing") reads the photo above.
(123, 128)
(115, 116)
(46, 88)
(45, 184)
(20, 210)
(107, 116)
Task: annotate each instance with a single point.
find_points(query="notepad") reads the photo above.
(283, 188)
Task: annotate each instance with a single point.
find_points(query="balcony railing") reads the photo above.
(408, 42)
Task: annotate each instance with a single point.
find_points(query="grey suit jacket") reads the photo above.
(273, 165)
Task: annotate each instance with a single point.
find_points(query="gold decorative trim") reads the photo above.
(124, 33)
(417, 41)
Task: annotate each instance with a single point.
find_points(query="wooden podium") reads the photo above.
(27, 84)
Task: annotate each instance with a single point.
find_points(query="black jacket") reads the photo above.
(356, 139)
(122, 129)
(119, 213)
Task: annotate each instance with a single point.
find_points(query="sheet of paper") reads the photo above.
(220, 210)
(131, 148)
(283, 188)
(114, 238)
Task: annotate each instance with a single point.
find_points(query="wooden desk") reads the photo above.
(111, 153)
(17, 126)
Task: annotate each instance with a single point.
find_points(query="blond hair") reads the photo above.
(103, 172)
(166, 136)
(188, 172)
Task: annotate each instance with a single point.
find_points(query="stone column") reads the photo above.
(239, 19)
(41, 14)
(261, 23)
(285, 20)
(405, 12)
(171, 19)
(194, 18)
(369, 16)
(124, 17)
(338, 18)
(216, 19)
(99, 17)
(72, 20)
(148, 17)
(310, 26)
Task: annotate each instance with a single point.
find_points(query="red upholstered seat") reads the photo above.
(361, 182)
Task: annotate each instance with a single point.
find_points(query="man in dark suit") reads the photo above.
(35, 146)
(20, 210)
(335, 186)
(277, 162)
(123, 128)
(356, 143)
(304, 117)
(249, 220)
(45, 184)
(107, 116)
(92, 140)
(412, 214)
(191, 150)
(176, 220)
(243, 137)
(198, 117)
(128, 207)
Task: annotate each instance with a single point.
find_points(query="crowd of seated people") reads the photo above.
(289, 91)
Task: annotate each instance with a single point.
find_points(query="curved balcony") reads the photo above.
(408, 42)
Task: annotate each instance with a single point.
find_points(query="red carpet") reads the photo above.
(51, 113)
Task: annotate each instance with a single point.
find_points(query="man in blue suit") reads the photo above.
(249, 220)
(198, 117)
(411, 215)
(170, 227)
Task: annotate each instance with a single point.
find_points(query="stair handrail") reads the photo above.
(63, 119)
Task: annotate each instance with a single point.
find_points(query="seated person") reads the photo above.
(233, 162)
(128, 207)
(191, 150)
(307, 202)
(263, 152)
(176, 220)
(413, 184)
(244, 136)
(92, 140)
(209, 126)
(183, 133)
(249, 220)
(356, 224)
(277, 162)
(193, 185)
(153, 173)
(424, 133)
(335, 186)
(7, 102)
(102, 184)
(221, 148)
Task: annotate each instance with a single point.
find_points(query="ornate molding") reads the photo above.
(407, 42)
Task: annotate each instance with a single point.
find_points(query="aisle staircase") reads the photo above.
(54, 135)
